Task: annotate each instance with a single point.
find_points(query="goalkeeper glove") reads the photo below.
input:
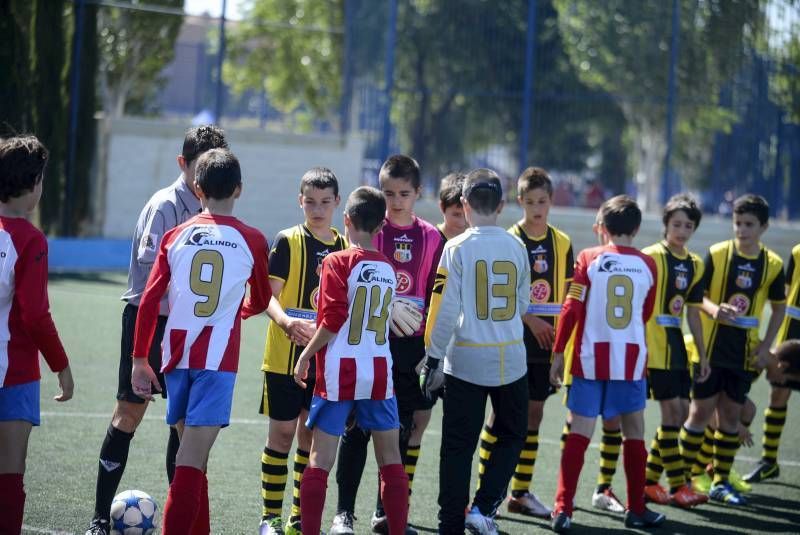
(431, 379)
(405, 318)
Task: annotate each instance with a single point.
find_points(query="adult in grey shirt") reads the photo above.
(166, 209)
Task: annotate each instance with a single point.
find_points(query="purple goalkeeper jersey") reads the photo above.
(414, 252)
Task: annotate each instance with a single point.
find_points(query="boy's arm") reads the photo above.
(435, 260)
(571, 313)
(260, 291)
(777, 296)
(298, 330)
(147, 316)
(445, 304)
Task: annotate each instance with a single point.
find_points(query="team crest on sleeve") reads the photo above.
(740, 301)
(540, 291)
(681, 277)
(404, 281)
(149, 242)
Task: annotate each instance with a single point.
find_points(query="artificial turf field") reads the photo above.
(62, 457)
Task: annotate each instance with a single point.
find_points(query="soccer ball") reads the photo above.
(133, 512)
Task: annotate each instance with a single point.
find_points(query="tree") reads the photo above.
(15, 18)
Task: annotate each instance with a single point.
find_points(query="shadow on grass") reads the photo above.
(103, 277)
(763, 514)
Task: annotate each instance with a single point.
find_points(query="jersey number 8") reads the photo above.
(209, 286)
(619, 297)
(506, 290)
(378, 314)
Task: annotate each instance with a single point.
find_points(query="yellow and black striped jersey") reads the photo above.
(295, 259)
(790, 328)
(679, 283)
(552, 263)
(746, 282)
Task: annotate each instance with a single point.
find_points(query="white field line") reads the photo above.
(263, 422)
(31, 529)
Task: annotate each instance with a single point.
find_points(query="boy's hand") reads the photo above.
(143, 378)
(543, 332)
(300, 331)
(761, 356)
(431, 378)
(301, 370)
(726, 313)
(745, 436)
(557, 370)
(66, 384)
(702, 371)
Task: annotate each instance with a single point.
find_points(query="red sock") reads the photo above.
(312, 499)
(12, 503)
(202, 522)
(571, 465)
(183, 501)
(634, 457)
(394, 495)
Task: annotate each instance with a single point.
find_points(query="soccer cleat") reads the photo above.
(739, 484)
(656, 493)
(725, 493)
(477, 524)
(648, 519)
(762, 471)
(381, 525)
(701, 483)
(685, 497)
(292, 526)
(99, 527)
(607, 501)
(271, 525)
(561, 522)
(529, 505)
(342, 524)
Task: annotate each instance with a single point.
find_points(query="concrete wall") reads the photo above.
(142, 160)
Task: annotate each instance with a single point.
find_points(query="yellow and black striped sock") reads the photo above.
(300, 463)
(654, 464)
(705, 454)
(671, 456)
(564, 434)
(274, 470)
(691, 441)
(725, 447)
(488, 440)
(609, 455)
(410, 463)
(774, 420)
(523, 473)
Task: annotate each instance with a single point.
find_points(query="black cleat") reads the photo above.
(762, 471)
(561, 523)
(99, 526)
(648, 519)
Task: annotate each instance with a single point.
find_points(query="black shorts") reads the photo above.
(735, 384)
(406, 354)
(668, 384)
(124, 388)
(539, 387)
(283, 399)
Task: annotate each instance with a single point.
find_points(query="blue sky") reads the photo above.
(213, 7)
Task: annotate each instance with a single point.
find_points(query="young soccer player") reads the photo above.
(679, 283)
(775, 415)
(204, 265)
(453, 222)
(740, 276)
(165, 210)
(294, 265)
(413, 247)
(551, 261)
(354, 364)
(27, 328)
(481, 291)
(608, 303)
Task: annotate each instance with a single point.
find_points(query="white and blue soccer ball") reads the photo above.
(133, 512)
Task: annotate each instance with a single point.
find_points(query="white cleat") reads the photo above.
(607, 501)
(477, 524)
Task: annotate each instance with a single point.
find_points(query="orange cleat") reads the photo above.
(685, 497)
(656, 494)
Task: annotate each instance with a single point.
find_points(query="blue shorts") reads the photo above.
(20, 402)
(370, 414)
(591, 398)
(201, 397)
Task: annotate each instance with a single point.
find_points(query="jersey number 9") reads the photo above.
(208, 286)
(506, 290)
(377, 317)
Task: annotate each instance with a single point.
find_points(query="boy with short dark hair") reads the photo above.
(481, 291)
(166, 209)
(353, 364)
(608, 303)
(413, 247)
(203, 265)
(453, 222)
(549, 252)
(294, 266)
(740, 276)
(27, 327)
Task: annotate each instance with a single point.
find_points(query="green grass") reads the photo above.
(62, 458)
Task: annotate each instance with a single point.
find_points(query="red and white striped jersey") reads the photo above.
(206, 263)
(356, 290)
(26, 327)
(609, 302)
